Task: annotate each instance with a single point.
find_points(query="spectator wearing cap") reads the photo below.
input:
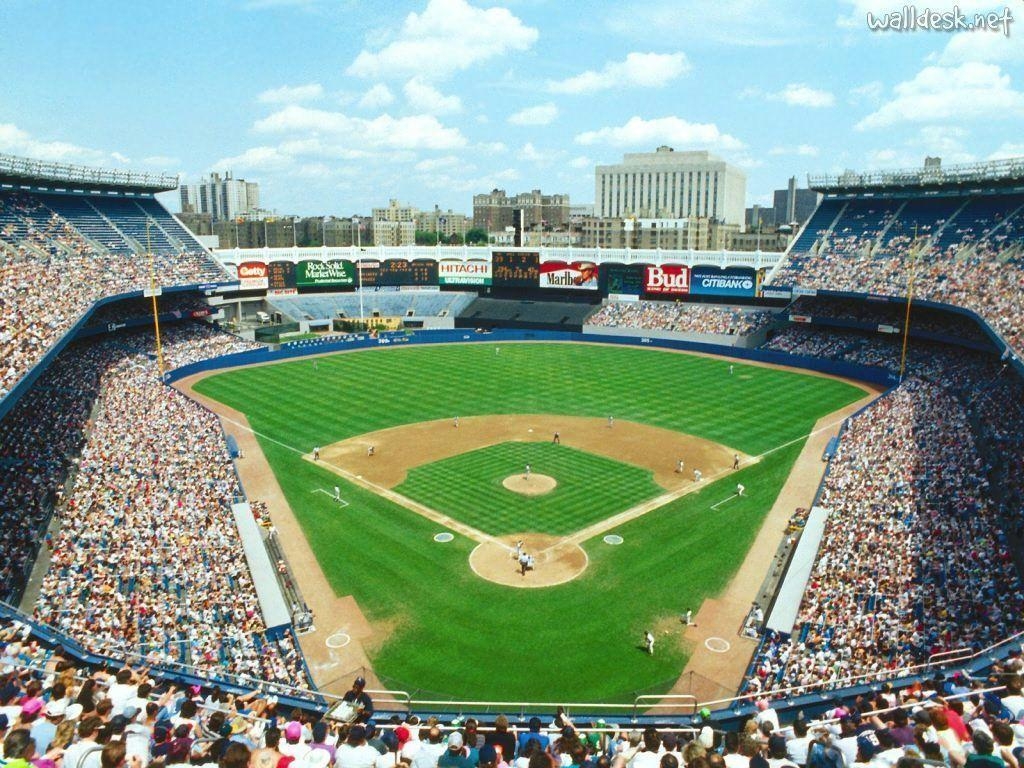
(489, 757)
(293, 746)
(500, 738)
(84, 753)
(30, 709)
(358, 698)
(355, 752)
(373, 738)
(456, 755)
(867, 747)
(983, 748)
(45, 728)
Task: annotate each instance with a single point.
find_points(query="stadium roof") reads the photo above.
(25, 172)
(993, 173)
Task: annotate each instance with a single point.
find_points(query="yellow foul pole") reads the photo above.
(156, 313)
(911, 275)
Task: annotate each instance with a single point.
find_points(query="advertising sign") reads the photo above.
(623, 279)
(252, 276)
(577, 276)
(464, 272)
(711, 281)
(281, 275)
(331, 274)
(516, 269)
(669, 279)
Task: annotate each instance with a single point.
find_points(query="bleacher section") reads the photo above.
(962, 250)
(60, 253)
(509, 313)
(387, 304)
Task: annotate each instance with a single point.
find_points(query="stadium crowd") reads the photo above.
(681, 316)
(55, 714)
(146, 559)
(922, 493)
(968, 267)
(50, 275)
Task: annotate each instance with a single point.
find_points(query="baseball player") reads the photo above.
(735, 461)
(527, 472)
(679, 467)
(649, 642)
(337, 493)
(316, 453)
(697, 475)
(740, 489)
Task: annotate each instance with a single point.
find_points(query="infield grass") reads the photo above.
(451, 634)
(468, 487)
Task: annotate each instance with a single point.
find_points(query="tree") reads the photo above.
(476, 236)
(426, 238)
(454, 239)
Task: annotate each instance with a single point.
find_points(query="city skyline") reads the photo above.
(336, 107)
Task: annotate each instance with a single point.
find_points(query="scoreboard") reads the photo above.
(281, 275)
(513, 269)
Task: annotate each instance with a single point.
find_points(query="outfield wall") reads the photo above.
(869, 374)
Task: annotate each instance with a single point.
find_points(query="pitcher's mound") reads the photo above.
(534, 485)
(556, 561)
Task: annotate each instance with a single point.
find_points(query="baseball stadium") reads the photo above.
(766, 504)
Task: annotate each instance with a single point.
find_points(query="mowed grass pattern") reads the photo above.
(469, 488)
(451, 634)
(755, 409)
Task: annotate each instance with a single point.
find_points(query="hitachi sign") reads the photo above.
(668, 279)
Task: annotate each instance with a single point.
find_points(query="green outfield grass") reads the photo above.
(455, 635)
(468, 487)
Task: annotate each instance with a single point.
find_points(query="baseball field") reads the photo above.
(449, 619)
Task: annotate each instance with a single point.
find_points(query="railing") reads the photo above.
(722, 259)
(827, 687)
(66, 172)
(997, 170)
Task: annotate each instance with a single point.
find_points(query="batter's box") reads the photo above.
(337, 499)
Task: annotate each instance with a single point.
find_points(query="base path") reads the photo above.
(333, 668)
(711, 674)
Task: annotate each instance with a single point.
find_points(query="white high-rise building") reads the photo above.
(666, 184)
(223, 198)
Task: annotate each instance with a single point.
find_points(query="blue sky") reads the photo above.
(335, 107)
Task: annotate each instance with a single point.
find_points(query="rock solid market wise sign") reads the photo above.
(325, 273)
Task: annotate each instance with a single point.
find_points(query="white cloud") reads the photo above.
(869, 93)
(581, 162)
(988, 47)
(542, 114)
(423, 97)
(944, 141)
(292, 94)
(437, 163)
(660, 130)
(800, 150)
(802, 95)
(1008, 149)
(16, 141)
(263, 158)
(856, 16)
(377, 97)
(411, 132)
(637, 70)
(531, 154)
(971, 91)
(447, 37)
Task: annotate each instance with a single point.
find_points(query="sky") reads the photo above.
(337, 106)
